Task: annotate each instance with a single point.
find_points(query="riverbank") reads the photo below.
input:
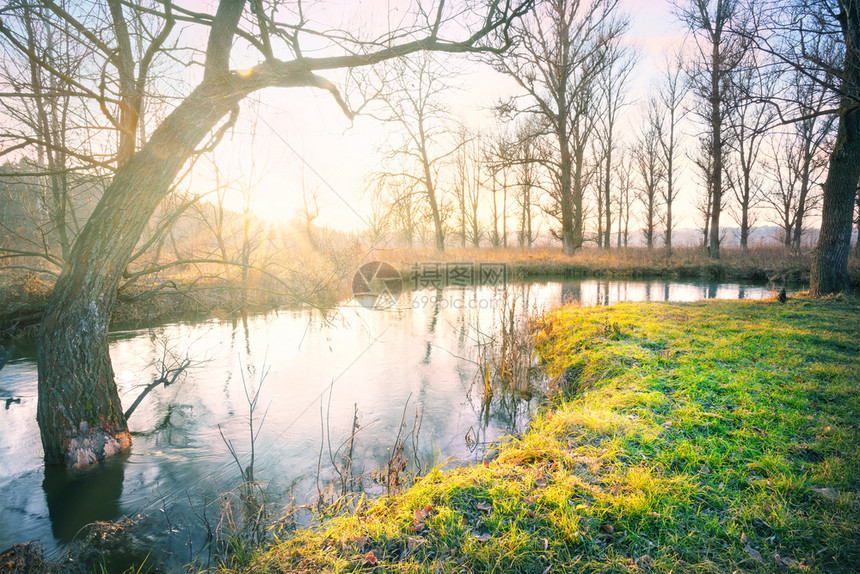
(717, 436)
(23, 298)
(775, 264)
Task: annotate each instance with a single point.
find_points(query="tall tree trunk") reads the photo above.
(802, 198)
(79, 411)
(577, 192)
(717, 152)
(607, 238)
(829, 273)
(567, 231)
(430, 188)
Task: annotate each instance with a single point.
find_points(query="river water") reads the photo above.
(410, 366)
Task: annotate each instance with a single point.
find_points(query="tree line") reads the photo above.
(750, 127)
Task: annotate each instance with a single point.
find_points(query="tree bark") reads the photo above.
(716, 151)
(567, 231)
(829, 273)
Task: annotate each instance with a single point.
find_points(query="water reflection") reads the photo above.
(77, 498)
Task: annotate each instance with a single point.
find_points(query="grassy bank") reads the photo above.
(704, 437)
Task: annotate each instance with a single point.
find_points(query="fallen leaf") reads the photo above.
(616, 489)
(482, 537)
(540, 483)
(418, 527)
(744, 539)
(413, 543)
(608, 528)
(653, 514)
(360, 541)
(754, 554)
(422, 513)
(483, 506)
(369, 559)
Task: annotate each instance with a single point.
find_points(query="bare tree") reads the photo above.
(749, 119)
(719, 51)
(703, 160)
(527, 181)
(671, 93)
(380, 214)
(650, 170)
(405, 208)
(42, 113)
(468, 180)
(73, 358)
(625, 174)
(799, 159)
(555, 61)
(613, 86)
(500, 156)
(414, 105)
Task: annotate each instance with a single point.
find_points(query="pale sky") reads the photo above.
(302, 133)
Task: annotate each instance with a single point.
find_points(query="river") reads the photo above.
(411, 365)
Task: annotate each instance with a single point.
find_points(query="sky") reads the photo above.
(304, 140)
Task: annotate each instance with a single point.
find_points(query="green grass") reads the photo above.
(704, 437)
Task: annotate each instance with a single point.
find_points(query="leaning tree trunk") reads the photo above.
(79, 413)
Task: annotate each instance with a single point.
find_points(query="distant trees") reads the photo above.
(669, 112)
(468, 180)
(527, 178)
(612, 87)
(798, 159)
(749, 118)
(625, 175)
(558, 52)
(413, 104)
(719, 51)
(647, 154)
